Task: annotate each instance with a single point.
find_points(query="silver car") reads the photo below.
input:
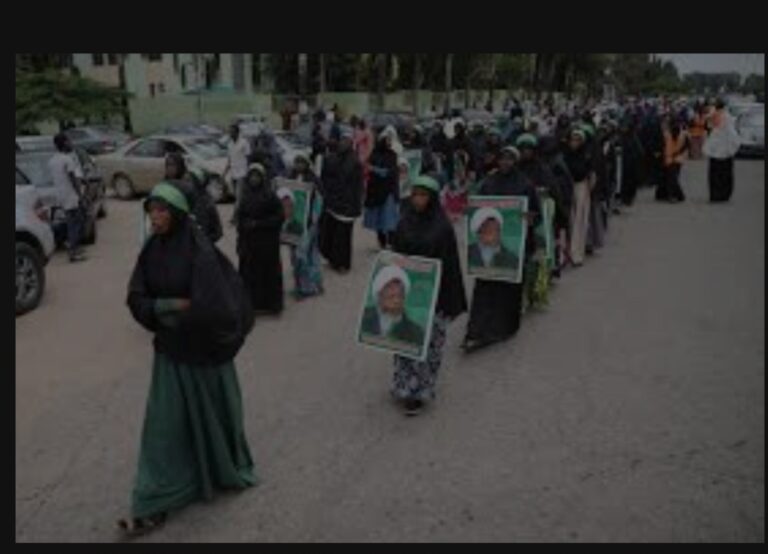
(34, 245)
(751, 129)
(140, 165)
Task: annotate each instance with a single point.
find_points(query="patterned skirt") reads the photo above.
(416, 380)
(382, 218)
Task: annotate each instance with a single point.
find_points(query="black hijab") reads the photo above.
(431, 235)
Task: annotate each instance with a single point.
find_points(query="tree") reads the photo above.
(448, 80)
(55, 95)
(754, 84)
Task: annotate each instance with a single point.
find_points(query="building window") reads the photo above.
(98, 59)
(176, 63)
(183, 76)
(152, 90)
(112, 59)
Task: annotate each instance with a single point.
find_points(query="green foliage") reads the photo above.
(51, 94)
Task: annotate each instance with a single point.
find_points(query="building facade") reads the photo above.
(157, 75)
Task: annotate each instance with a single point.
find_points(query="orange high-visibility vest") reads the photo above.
(672, 148)
(698, 126)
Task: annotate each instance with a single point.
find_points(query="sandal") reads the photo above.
(413, 407)
(137, 526)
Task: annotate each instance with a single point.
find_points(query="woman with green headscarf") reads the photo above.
(424, 230)
(186, 292)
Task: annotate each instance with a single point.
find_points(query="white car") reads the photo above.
(290, 145)
(751, 128)
(34, 245)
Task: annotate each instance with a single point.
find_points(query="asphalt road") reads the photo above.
(632, 409)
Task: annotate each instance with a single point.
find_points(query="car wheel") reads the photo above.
(217, 189)
(30, 278)
(123, 187)
(90, 234)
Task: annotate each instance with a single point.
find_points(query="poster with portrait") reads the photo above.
(545, 239)
(399, 304)
(295, 197)
(409, 173)
(496, 230)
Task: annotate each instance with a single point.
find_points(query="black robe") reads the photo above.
(631, 173)
(342, 184)
(564, 185)
(496, 305)
(207, 215)
(380, 187)
(342, 190)
(184, 264)
(652, 140)
(431, 235)
(542, 177)
(260, 218)
(201, 205)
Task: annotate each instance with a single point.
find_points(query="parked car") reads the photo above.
(140, 165)
(738, 108)
(91, 171)
(97, 139)
(32, 168)
(290, 145)
(751, 128)
(36, 143)
(482, 117)
(34, 245)
(197, 129)
(400, 120)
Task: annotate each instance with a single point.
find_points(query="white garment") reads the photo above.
(61, 166)
(724, 141)
(487, 253)
(238, 152)
(580, 220)
(386, 322)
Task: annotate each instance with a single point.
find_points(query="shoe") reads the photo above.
(472, 345)
(77, 257)
(413, 407)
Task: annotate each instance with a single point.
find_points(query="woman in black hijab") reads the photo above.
(382, 193)
(189, 296)
(497, 305)
(424, 230)
(259, 220)
(204, 208)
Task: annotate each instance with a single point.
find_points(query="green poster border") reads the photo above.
(384, 258)
(294, 185)
(496, 275)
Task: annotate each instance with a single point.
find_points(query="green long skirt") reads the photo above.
(193, 439)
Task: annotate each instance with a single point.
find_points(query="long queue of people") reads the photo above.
(200, 309)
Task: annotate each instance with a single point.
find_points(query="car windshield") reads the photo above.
(105, 131)
(35, 168)
(206, 149)
(295, 140)
(754, 119)
(36, 144)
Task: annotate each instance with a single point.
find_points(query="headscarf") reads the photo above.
(395, 144)
(388, 274)
(430, 234)
(169, 195)
(482, 215)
